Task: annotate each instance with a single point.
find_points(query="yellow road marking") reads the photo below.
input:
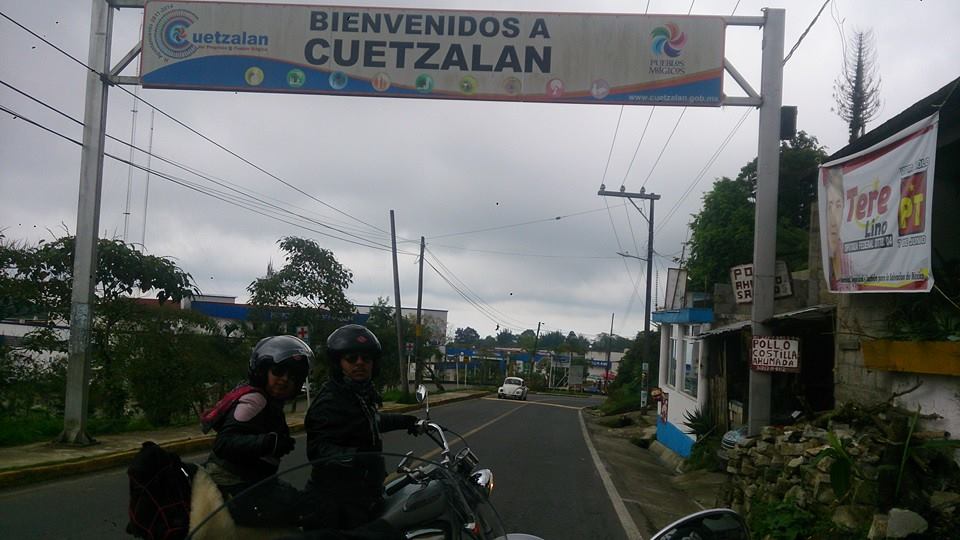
(537, 403)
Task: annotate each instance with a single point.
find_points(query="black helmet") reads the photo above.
(353, 339)
(276, 350)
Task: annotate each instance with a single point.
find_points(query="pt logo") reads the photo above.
(911, 214)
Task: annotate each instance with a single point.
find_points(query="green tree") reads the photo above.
(551, 340)
(722, 232)
(310, 278)
(577, 343)
(526, 339)
(506, 338)
(857, 90)
(309, 290)
(43, 275)
(382, 323)
(466, 336)
(177, 361)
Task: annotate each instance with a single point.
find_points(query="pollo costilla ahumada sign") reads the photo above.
(775, 353)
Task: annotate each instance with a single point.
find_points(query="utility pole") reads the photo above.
(536, 343)
(418, 378)
(646, 310)
(606, 372)
(404, 382)
(88, 219)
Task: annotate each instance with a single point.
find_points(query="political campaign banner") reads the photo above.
(471, 55)
(875, 214)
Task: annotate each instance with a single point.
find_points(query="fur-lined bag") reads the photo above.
(159, 494)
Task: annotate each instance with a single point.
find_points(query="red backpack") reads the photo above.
(212, 418)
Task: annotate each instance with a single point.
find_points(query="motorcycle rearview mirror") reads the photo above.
(422, 395)
(714, 523)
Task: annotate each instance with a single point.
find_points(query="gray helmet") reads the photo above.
(288, 351)
(353, 339)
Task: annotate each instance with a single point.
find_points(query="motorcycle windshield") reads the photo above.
(432, 501)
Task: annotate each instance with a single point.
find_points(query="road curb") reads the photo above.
(82, 465)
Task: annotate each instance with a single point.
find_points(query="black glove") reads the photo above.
(416, 427)
(277, 445)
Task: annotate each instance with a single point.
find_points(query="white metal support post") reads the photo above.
(765, 220)
(88, 219)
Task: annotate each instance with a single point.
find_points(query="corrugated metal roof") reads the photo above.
(807, 313)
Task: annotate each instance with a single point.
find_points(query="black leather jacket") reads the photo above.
(241, 446)
(340, 423)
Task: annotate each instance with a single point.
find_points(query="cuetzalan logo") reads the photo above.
(668, 40)
(169, 36)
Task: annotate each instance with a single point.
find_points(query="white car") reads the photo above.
(514, 388)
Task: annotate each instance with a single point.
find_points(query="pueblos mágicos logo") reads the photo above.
(168, 33)
(666, 44)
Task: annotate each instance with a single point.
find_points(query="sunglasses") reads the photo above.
(354, 358)
(294, 371)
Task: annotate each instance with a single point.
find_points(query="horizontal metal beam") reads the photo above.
(732, 101)
(126, 3)
(743, 20)
(124, 80)
(628, 195)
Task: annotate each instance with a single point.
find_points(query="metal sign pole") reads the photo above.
(765, 224)
(88, 219)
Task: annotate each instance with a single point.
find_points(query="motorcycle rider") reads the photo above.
(344, 431)
(252, 434)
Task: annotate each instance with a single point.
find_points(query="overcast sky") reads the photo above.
(448, 168)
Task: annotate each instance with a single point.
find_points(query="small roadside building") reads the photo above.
(870, 326)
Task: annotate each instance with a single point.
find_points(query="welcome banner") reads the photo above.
(875, 214)
(471, 55)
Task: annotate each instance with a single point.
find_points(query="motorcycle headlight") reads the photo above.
(484, 479)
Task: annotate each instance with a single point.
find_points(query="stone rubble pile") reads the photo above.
(793, 463)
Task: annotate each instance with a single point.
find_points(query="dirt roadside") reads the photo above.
(648, 483)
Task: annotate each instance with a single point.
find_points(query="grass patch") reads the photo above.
(622, 400)
(703, 455)
(783, 519)
(39, 427)
(617, 422)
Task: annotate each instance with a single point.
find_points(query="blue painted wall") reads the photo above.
(670, 436)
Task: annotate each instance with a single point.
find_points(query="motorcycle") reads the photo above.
(447, 499)
(713, 524)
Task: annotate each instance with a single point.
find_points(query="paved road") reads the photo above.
(546, 482)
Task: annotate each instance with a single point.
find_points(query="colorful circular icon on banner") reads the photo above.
(554, 88)
(296, 78)
(600, 89)
(424, 83)
(512, 86)
(253, 76)
(338, 80)
(469, 85)
(380, 82)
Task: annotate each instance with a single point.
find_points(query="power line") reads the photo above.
(479, 300)
(636, 150)
(500, 227)
(470, 300)
(665, 145)
(804, 34)
(229, 199)
(521, 254)
(189, 128)
(220, 182)
(703, 170)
